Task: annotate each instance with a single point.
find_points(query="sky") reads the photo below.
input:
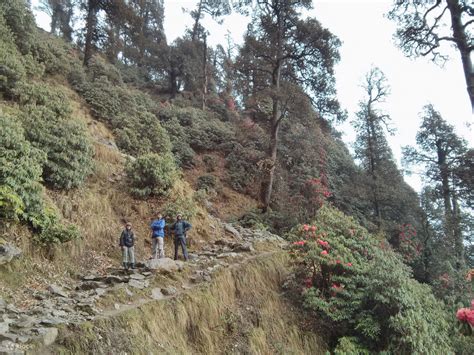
(366, 37)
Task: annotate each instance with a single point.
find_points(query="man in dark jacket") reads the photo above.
(179, 229)
(127, 242)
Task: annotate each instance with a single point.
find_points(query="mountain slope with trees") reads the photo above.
(111, 123)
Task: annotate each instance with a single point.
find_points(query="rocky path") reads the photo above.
(97, 296)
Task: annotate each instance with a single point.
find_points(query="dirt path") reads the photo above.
(102, 296)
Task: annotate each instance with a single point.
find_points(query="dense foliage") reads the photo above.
(152, 174)
(362, 289)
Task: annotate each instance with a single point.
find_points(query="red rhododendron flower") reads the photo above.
(462, 313)
(300, 242)
(324, 252)
(349, 264)
(306, 227)
(313, 228)
(470, 317)
(323, 243)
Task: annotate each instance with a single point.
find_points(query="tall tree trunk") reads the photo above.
(91, 26)
(464, 45)
(204, 73)
(372, 165)
(172, 82)
(276, 115)
(457, 234)
(196, 22)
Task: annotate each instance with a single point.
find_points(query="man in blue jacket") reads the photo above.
(179, 229)
(158, 236)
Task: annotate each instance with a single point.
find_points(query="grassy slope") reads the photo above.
(241, 311)
(99, 209)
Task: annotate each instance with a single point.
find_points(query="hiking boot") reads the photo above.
(125, 266)
(132, 266)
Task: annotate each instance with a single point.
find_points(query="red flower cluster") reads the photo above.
(324, 252)
(300, 242)
(466, 315)
(323, 243)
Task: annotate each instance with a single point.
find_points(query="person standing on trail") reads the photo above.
(127, 242)
(157, 237)
(179, 229)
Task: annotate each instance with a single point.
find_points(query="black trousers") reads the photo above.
(180, 240)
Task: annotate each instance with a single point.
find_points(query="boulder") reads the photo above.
(156, 294)
(227, 255)
(245, 247)
(8, 252)
(4, 327)
(3, 304)
(57, 290)
(138, 284)
(230, 229)
(48, 335)
(26, 322)
(112, 279)
(90, 285)
(164, 265)
(169, 291)
(137, 277)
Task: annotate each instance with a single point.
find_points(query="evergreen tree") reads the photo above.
(441, 152)
(280, 47)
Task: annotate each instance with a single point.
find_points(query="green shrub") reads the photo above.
(46, 118)
(11, 205)
(12, 68)
(350, 345)
(203, 130)
(57, 233)
(360, 288)
(242, 166)
(57, 57)
(210, 162)
(38, 95)
(21, 22)
(141, 134)
(206, 182)
(208, 133)
(184, 205)
(20, 167)
(99, 67)
(179, 141)
(152, 174)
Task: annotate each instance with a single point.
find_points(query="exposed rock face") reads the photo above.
(8, 252)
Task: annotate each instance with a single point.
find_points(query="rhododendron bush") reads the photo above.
(358, 287)
(465, 317)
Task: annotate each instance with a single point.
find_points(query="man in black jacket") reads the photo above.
(179, 229)
(127, 242)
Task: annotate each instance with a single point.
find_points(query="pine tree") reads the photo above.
(441, 152)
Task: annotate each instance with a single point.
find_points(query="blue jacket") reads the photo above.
(158, 228)
(180, 228)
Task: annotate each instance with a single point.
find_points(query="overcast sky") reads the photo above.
(366, 41)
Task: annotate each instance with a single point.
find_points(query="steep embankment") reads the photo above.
(241, 310)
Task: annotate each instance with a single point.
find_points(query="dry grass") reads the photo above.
(241, 311)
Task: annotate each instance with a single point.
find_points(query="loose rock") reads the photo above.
(169, 291)
(57, 290)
